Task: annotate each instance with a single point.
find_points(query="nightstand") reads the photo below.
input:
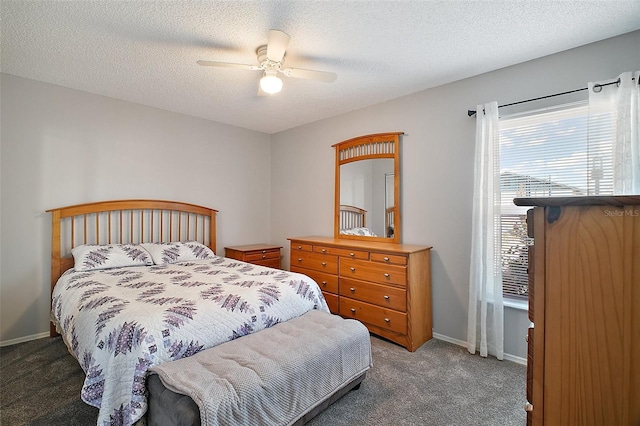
(258, 254)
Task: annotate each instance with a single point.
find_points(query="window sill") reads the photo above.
(522, 305)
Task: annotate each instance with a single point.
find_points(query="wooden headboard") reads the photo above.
(352, 217)
(389, 221)
(126, 221)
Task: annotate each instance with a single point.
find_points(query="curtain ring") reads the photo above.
(597, 88)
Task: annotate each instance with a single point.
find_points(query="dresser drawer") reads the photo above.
(332, 302)
(529, 393)
(300, 247)
(389, 259)
(373, 271)
(381, 295)
(257, 255)
(271, 263)
(326, 282)
(353, 254)
(316, 261)
(375, 315)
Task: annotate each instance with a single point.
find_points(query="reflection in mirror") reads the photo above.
(390, 208)
(367, 188)
(365, 196)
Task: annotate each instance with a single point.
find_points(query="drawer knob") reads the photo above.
(352, 254)
(352, 269)
(299, 259)
(387, 320)
(526, 338)
(386, 275)
(324, 283)
(324, 250)
(352, 289)
(386, 297)
(299, 247)
(264, 251)
(353, 310)
(528, 407)
(386, 259)
(324, 263)
(264, 257)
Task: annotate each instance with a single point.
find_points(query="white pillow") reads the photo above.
(89, 257)
(183, 251)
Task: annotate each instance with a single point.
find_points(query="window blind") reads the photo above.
(552, 152)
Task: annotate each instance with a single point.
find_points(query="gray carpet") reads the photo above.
(439, 384)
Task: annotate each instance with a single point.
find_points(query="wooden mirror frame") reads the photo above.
(368, 147)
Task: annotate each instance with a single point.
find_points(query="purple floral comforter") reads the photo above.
(120, 322)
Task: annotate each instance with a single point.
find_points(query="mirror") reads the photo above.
(367, 199)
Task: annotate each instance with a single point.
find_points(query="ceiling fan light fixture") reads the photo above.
(270, 59)
(270, 83)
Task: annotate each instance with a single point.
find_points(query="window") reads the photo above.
(547, 153)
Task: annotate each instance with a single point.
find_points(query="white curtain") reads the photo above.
(619, 104)
(486, 316)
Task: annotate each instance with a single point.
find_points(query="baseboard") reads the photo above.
(516, 359)
(508, 357)
(24, 339)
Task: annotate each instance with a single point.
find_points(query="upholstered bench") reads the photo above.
(282, 375)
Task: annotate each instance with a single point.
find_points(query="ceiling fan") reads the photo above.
(270, 61)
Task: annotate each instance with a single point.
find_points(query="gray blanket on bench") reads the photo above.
(274, 376)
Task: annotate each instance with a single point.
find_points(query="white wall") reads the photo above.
(61, 147)
(436, 169)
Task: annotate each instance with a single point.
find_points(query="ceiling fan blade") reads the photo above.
(227, 65)
(277, 45)
(327, 77)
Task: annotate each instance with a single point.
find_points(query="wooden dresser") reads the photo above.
(583, 365)
(258, 254)
(385, 286)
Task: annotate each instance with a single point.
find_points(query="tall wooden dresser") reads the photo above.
(385, 286)
(583, 364)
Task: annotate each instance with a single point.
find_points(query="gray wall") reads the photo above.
(437, 166)
(60, 147)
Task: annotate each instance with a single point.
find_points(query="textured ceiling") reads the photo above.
(146, 51)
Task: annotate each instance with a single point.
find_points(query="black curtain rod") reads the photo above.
(596, 88)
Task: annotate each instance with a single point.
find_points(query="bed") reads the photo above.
(353, 221)
(136, 284)
(389, 221)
